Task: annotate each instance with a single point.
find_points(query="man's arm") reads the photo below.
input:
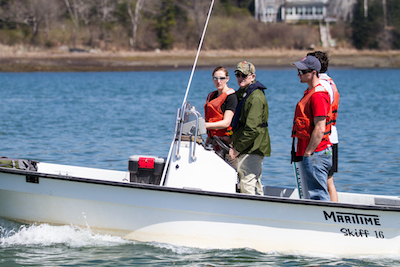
(316, 135)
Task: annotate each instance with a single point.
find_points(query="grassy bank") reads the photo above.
(57, 60)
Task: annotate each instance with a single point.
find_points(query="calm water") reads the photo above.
(100, 119)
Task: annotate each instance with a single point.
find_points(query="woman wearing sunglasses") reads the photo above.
(220, 107)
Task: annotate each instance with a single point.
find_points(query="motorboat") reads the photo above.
(190, 198)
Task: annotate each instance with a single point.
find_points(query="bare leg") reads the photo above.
(332, 189)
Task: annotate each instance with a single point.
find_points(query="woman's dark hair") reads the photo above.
(220, 68)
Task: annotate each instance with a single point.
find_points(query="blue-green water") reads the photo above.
(100, 119)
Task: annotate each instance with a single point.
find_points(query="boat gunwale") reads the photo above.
(195, 191)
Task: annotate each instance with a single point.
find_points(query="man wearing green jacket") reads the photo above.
(250, 129)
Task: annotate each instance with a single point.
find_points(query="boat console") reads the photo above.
(190, 164)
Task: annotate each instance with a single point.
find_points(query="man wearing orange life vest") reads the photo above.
(330, 86)
(311, 127)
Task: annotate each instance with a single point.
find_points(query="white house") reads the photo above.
(303, 10)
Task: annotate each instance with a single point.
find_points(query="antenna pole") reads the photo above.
(197, 55)
(180, 114)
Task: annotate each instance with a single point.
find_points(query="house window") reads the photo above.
(270, 11)
(300, 10)
(309, 10)
(319, 10)
(289, 11)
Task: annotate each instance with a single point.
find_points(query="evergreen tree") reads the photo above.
(165, 21)
(366, 29)
(359, 26)
(393, 8)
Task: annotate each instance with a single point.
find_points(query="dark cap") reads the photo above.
(309, 62)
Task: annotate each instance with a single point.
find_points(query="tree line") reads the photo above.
(376, 26)
(177, 24)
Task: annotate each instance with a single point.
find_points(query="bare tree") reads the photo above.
(386, 36)
(84, 11)
(134, 18)
(79, 10)
(53, 11)
(73, 12)
(197, 9)
(384, 14)
(32, 13)
(16, 11)
(105, 10)
(341, 9)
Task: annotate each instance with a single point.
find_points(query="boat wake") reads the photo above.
(19, 236)
(12, 234)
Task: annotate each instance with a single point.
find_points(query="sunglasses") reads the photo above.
(241, 75)
(305, 71)
(219, 78)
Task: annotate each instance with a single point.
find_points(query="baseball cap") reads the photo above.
(309, 62)
(245, 67)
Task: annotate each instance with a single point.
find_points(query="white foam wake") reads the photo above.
(12, 234)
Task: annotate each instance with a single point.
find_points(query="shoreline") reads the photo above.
(63, 61)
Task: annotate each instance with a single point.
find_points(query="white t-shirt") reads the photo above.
(324, 80)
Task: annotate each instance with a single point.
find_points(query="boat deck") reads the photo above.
(83, 172)
(349, 198)
(290, 193)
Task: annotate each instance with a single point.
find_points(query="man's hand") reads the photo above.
(233, 153)
(316, 135)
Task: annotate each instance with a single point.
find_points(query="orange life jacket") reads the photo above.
(335, 103)
(303, 123)
(213, 112)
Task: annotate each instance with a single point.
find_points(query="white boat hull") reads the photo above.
(202, 219)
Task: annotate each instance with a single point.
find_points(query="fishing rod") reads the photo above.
(180, 115)
(197, 55)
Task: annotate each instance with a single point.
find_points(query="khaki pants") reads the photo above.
(249, 171)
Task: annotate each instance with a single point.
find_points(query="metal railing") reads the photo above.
(194, 131)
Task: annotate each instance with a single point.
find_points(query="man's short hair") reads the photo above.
(323, 58)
